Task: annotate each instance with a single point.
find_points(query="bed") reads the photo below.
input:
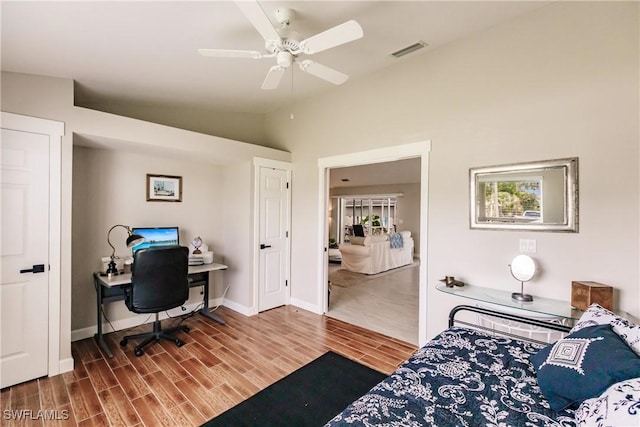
(471, 377)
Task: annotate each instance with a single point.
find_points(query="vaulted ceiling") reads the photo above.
(146, 52)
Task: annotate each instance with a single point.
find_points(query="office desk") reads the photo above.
(109, 290)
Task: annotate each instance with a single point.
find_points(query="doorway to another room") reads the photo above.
(374, 281)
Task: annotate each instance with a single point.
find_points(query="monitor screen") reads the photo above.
(156, 236)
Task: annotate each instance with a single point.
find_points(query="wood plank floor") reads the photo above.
(218, 367)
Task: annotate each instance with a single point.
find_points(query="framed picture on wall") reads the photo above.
(164, 188)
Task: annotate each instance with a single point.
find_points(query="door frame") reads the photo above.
(388, 154)
(259, 162)
(55, 131)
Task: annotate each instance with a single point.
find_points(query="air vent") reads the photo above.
(409, 49)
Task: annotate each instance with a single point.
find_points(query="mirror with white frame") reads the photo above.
(536, 196)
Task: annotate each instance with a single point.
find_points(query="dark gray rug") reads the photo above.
(310, 396)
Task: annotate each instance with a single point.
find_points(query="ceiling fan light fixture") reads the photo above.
(285, 59)
(409, 49)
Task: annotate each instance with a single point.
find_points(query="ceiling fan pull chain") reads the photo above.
(291, 95)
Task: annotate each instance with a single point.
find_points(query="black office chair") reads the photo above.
(159, 282)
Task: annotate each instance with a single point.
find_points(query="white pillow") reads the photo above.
(405, 234)
(618, 406)
(631, 335)
(598, 315)
(376, 238)
(356, 240)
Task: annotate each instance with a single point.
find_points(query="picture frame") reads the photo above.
(164, 188)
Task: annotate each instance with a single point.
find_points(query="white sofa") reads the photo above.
(377, 253)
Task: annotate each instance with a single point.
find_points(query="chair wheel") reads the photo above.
(179, 343)
(123, 343)
(138, 352)
(186, 329)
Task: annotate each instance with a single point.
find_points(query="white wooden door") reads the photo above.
(24, 296)
(273, 238)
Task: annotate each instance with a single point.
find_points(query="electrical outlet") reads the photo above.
(528, 246)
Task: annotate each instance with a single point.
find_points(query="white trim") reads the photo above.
(66, 365)
(270, 163)
(424, 239)
(259, 162)
(242, 309)
(378, 155)
(32, 124)
(417, 149)
(54, 130)
(55, 242)
(306, 306)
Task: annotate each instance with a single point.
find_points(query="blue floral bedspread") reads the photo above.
(460, 378)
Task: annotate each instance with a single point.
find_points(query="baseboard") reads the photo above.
(65, 365)
(306, 306)
(242, 309)
(130, 322)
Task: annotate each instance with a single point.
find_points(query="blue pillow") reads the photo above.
(583, 365)
(396, 241)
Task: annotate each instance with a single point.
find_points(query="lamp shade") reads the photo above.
(134, 239)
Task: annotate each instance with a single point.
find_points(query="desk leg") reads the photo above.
(205, 306)
(99, 336)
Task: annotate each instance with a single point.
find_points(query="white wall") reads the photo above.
(109, 187)
(562, 81)
(237, 234)
(107, 157)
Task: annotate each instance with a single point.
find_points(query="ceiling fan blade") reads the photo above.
(340, 34)
(273, 77)
(323, 72)
(227, 53)
(254, 13)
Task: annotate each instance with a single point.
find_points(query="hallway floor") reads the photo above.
(386, 303)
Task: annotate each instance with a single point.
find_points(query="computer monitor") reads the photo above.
(156, 236)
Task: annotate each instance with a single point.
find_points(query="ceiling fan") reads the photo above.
(285, 45)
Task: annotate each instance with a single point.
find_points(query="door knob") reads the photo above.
(39, 268)
(263, 246)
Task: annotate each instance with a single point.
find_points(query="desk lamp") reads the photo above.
(132, 240)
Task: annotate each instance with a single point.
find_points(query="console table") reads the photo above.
(539, 305)
(112, 289)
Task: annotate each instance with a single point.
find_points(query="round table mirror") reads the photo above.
(523, 268)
